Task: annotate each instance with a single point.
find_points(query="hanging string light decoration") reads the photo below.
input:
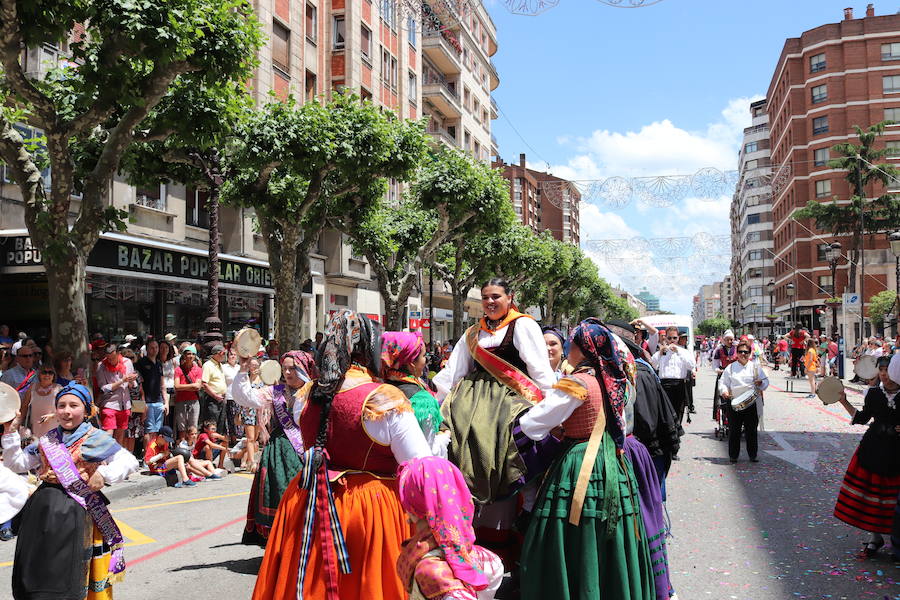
(629, 3)
(529, 7)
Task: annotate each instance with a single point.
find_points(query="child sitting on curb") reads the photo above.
(198, 468)
(210, 444)
(159, 459)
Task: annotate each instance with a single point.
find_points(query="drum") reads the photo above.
(10, 402)
(829, 390)
(247, 342)
(866, 368)
(270, 372)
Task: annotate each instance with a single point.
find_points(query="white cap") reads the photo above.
(130, 338)
(170, 337)
(15, 347)
(728, 334)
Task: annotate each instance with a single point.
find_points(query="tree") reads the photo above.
(714, 326)
(303, 167)
(880, 306)
(194, 126)
(452, 197)
(124, 58)
(878, 214)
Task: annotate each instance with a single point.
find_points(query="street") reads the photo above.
(748, 531)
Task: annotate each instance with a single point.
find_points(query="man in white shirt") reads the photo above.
(675, 366)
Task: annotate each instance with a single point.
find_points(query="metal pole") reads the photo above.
(833, 295)
(431, 308)
(862, 248)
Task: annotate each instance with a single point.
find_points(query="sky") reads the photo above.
(590, 92)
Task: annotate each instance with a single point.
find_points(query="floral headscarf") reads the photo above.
(348, 337)
(304, 364)
(433, 489)
(399, 349)
(599, 347)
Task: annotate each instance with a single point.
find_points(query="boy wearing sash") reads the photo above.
(83, 556)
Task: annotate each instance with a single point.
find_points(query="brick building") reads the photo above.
(826, 81)
(542, 201)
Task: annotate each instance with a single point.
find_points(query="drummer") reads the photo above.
(740, 379)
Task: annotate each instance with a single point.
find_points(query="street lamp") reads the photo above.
(790, 292)
(833, 254)
(895, 248)
(771, 287)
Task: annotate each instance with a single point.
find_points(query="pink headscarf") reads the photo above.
(398, 349)
(433, 489)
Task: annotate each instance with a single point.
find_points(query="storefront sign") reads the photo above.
(17, 251)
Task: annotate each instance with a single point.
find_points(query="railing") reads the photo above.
(449, 37)
(756, 129)
(431, 78)
(149, 202)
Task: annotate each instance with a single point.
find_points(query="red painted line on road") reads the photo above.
(193, 538)
(818, 408)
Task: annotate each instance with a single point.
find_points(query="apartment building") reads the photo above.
(314, 47)
(707, 303)
(751, 226)
(650, 300)
(826, 81)
(632, 300)
(542, 201)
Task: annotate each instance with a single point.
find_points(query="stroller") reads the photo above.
(720, 415)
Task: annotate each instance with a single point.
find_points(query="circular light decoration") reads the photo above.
(529, 7)
(615, 192)
(629, 3)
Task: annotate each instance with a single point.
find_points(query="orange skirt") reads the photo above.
(374, 525)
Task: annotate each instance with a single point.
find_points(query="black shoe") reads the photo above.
(732, 460)
(6, 534)
(754, 459)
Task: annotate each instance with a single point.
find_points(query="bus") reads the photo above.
(684, 323)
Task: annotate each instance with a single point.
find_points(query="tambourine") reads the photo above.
(247, 342)
(829, 390)
(866, 368)
(270, 372)
(10, 402)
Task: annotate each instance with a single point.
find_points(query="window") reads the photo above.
(340, 34)
(753, 219)
(751, 147)
(365, 41)
(385, 66)
(389, 13)
(312, 23)
(751, 164)
(820, 157)
(281, 46)
(890, 51)
(821, 249)
(755, 255)
(310, 86)
(891, 84)
(754, 236)
(152, 196)
(411, 32)
(893, 148)
(395, 78)
(341, 299)
(412, 86)
(195, 213)
(755, 291)
(820, 125)
(817, 63)
(819, 93)
(892, 114)
(826, 284)
(823, 188)
(365, 94)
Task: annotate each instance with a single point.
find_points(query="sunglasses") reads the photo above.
(743, 352)
(672, 338)
(20, 355)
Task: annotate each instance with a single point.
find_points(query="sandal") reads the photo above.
(871, 548)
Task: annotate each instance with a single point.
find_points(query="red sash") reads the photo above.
(502, 371)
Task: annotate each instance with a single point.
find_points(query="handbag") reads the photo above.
(138, 406)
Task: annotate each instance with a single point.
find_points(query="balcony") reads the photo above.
(442, 95)
(492, 73)
(441, 48)
(495, 111)
(442, 136)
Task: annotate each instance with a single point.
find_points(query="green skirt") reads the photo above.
(590, 561)
(278, 465)
(480, 413)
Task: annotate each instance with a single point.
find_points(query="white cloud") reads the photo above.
(596, 224)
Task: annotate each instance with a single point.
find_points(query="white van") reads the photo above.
(684, 323)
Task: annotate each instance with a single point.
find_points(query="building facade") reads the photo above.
(649, 300)
(826, 81)
(542, 201)
(751, 227)
(632, 300)
(151, 279)
(708, 302)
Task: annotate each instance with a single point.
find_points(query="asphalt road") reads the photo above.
(761, 531)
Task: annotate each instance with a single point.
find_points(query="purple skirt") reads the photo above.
(651, 513)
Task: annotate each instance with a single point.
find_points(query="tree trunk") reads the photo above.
(213, 323)
(393, 308)
(459, 305)
(548, 314)
(283, 264)
(68, 316)
(855, 245)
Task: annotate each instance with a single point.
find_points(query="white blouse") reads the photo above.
(114, 470)
(400, 431)
(230, 371)
(737, 375)
(527, 339)
(894, 368)
(13, 494)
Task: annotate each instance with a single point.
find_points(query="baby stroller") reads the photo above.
(720, 415)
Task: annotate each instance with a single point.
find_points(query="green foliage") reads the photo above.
(714, 326)
(880, 306)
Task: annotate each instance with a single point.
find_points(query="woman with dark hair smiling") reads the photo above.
(741, 386)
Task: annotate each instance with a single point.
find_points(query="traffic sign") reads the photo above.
(425, 323)
(851, 300)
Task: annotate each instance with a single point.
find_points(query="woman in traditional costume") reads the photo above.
(280, 460)
(586, 532)
(403, 366)
(69, 546)
(441, 560)
(499, 369)
(556, 351)
(340, 526)
(869, 493)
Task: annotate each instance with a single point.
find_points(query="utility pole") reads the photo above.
(862, 249)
